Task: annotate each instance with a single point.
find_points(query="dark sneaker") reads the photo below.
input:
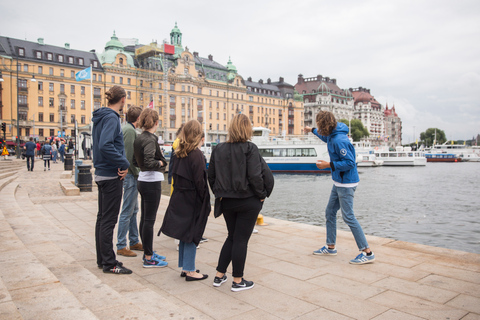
(118, 269)
(203, 240)
(118, 263)
(244, 285)
(217, 282)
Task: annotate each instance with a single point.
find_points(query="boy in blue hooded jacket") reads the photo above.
(111, 167)
(345, 181)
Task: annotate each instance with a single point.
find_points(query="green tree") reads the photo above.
(428, 136)
(357, 128)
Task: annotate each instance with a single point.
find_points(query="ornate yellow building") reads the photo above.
(193, 87)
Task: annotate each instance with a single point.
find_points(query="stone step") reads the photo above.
(67, 253)
(6, 180)
(7, 174)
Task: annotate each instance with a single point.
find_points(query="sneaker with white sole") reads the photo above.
(244, 285)
(362, 258)
(217, 282)
(154, 263)
(325, 251)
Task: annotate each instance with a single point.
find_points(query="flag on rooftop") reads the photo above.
(83, 74)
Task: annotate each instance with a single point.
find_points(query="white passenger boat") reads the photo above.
(402, 156)
(291, 154)
(366, 155)
(465, 153)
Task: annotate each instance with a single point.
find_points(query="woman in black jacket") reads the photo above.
(150, 160)
(187, 213)
(240, 180)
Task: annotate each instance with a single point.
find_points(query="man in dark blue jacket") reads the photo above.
(345, 181)
(30, 148)
(111, 167)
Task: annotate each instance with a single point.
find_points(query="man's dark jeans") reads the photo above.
(109, 200)
(30, 164)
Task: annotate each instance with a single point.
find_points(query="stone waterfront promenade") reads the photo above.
(48, 268)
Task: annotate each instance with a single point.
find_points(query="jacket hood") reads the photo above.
(101, 113)
(341, 128)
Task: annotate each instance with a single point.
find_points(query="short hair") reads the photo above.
(133, 113)
(148, 118)
(326, 122)
(31, 139)
(240, 129)
(115, 94)
(189, 139)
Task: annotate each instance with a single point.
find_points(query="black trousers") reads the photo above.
(150, 193)
(240, 216)
(109, 200)
(30, 164)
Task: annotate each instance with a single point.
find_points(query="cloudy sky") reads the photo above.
(421, 56)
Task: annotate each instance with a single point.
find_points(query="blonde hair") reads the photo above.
(115, 94)
(240, 129)
(189, 138)
(148, 119)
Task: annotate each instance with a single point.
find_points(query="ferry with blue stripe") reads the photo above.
(291, 154)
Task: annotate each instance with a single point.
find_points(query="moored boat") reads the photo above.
(442, 157)
(402, 156)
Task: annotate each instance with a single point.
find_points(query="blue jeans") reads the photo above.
(186, 256)
(342, 198)
(62, 158)
(54, 156)
(127, 221)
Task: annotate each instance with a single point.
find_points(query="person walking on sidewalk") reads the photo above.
(54, 152)
(152, 164)
(240, 180)
(30, 148)
(127, 223)
(187, 212)
(46, 152)
(111, 167)
(345, 181)
(61, 151)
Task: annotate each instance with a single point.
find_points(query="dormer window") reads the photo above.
(60, 58)
(80, 61)
(21, 52)
(95, 63)
(49, 56)
(38, 54)
(120, 61)
(70, 60)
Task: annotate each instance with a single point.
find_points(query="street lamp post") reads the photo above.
(17, 152)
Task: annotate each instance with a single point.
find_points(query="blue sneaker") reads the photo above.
(154, 263)
(362, 258)
(324, 251)
(156, 256)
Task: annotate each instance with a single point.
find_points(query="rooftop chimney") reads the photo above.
(281, 80)
(260, 81)
(249, 79)
(327, 79)
(300, 78)
(40, 41)
(67, 46)
(92, 51)
(195, 54)
(269, 81)
(210, 57)
(319, 77)
(334, 81)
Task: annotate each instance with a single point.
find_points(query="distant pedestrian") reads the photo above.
(187, 212)
(240, 180)
(71, 146)
(61, 151)
(30, 148)
(345, 182)
(54, 152)
(46, 152)
(111, 167)
(38, 150)
(127, 222)
(152, 165)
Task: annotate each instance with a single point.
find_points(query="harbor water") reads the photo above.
(437, 204)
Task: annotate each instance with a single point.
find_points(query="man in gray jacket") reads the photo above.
(127, 223)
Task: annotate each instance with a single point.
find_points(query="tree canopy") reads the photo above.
(428, 136)
(358, 131)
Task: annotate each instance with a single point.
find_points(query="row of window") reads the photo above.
(41, 132)
(51, 71)
(288, 152)
(23, 115)
(264, 91)
(62, 102)
(57, 57)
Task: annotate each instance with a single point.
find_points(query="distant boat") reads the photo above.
(402, 156)
(366, 155)
(291, 154)
(442, 157)
(461, 152)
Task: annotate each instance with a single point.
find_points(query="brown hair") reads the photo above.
(147, 119)
(115, 94)
(189, 139)
(133, 113)
(326, 123)
(240, 129)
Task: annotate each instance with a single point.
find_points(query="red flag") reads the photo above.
(150, 105)
(167, 48)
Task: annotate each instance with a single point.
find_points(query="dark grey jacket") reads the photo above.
(147, 153)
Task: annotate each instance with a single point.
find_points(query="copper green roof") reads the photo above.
(114, 43)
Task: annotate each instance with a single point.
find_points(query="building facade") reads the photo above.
(371, 113)
(323, 94)
(393, 127)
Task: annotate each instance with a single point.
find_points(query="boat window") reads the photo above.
(290, 152)
(312, 152)
(298, 153)
(266, 152)
(385, 155)
(402, 154)
(392, 155)
(410, 154)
